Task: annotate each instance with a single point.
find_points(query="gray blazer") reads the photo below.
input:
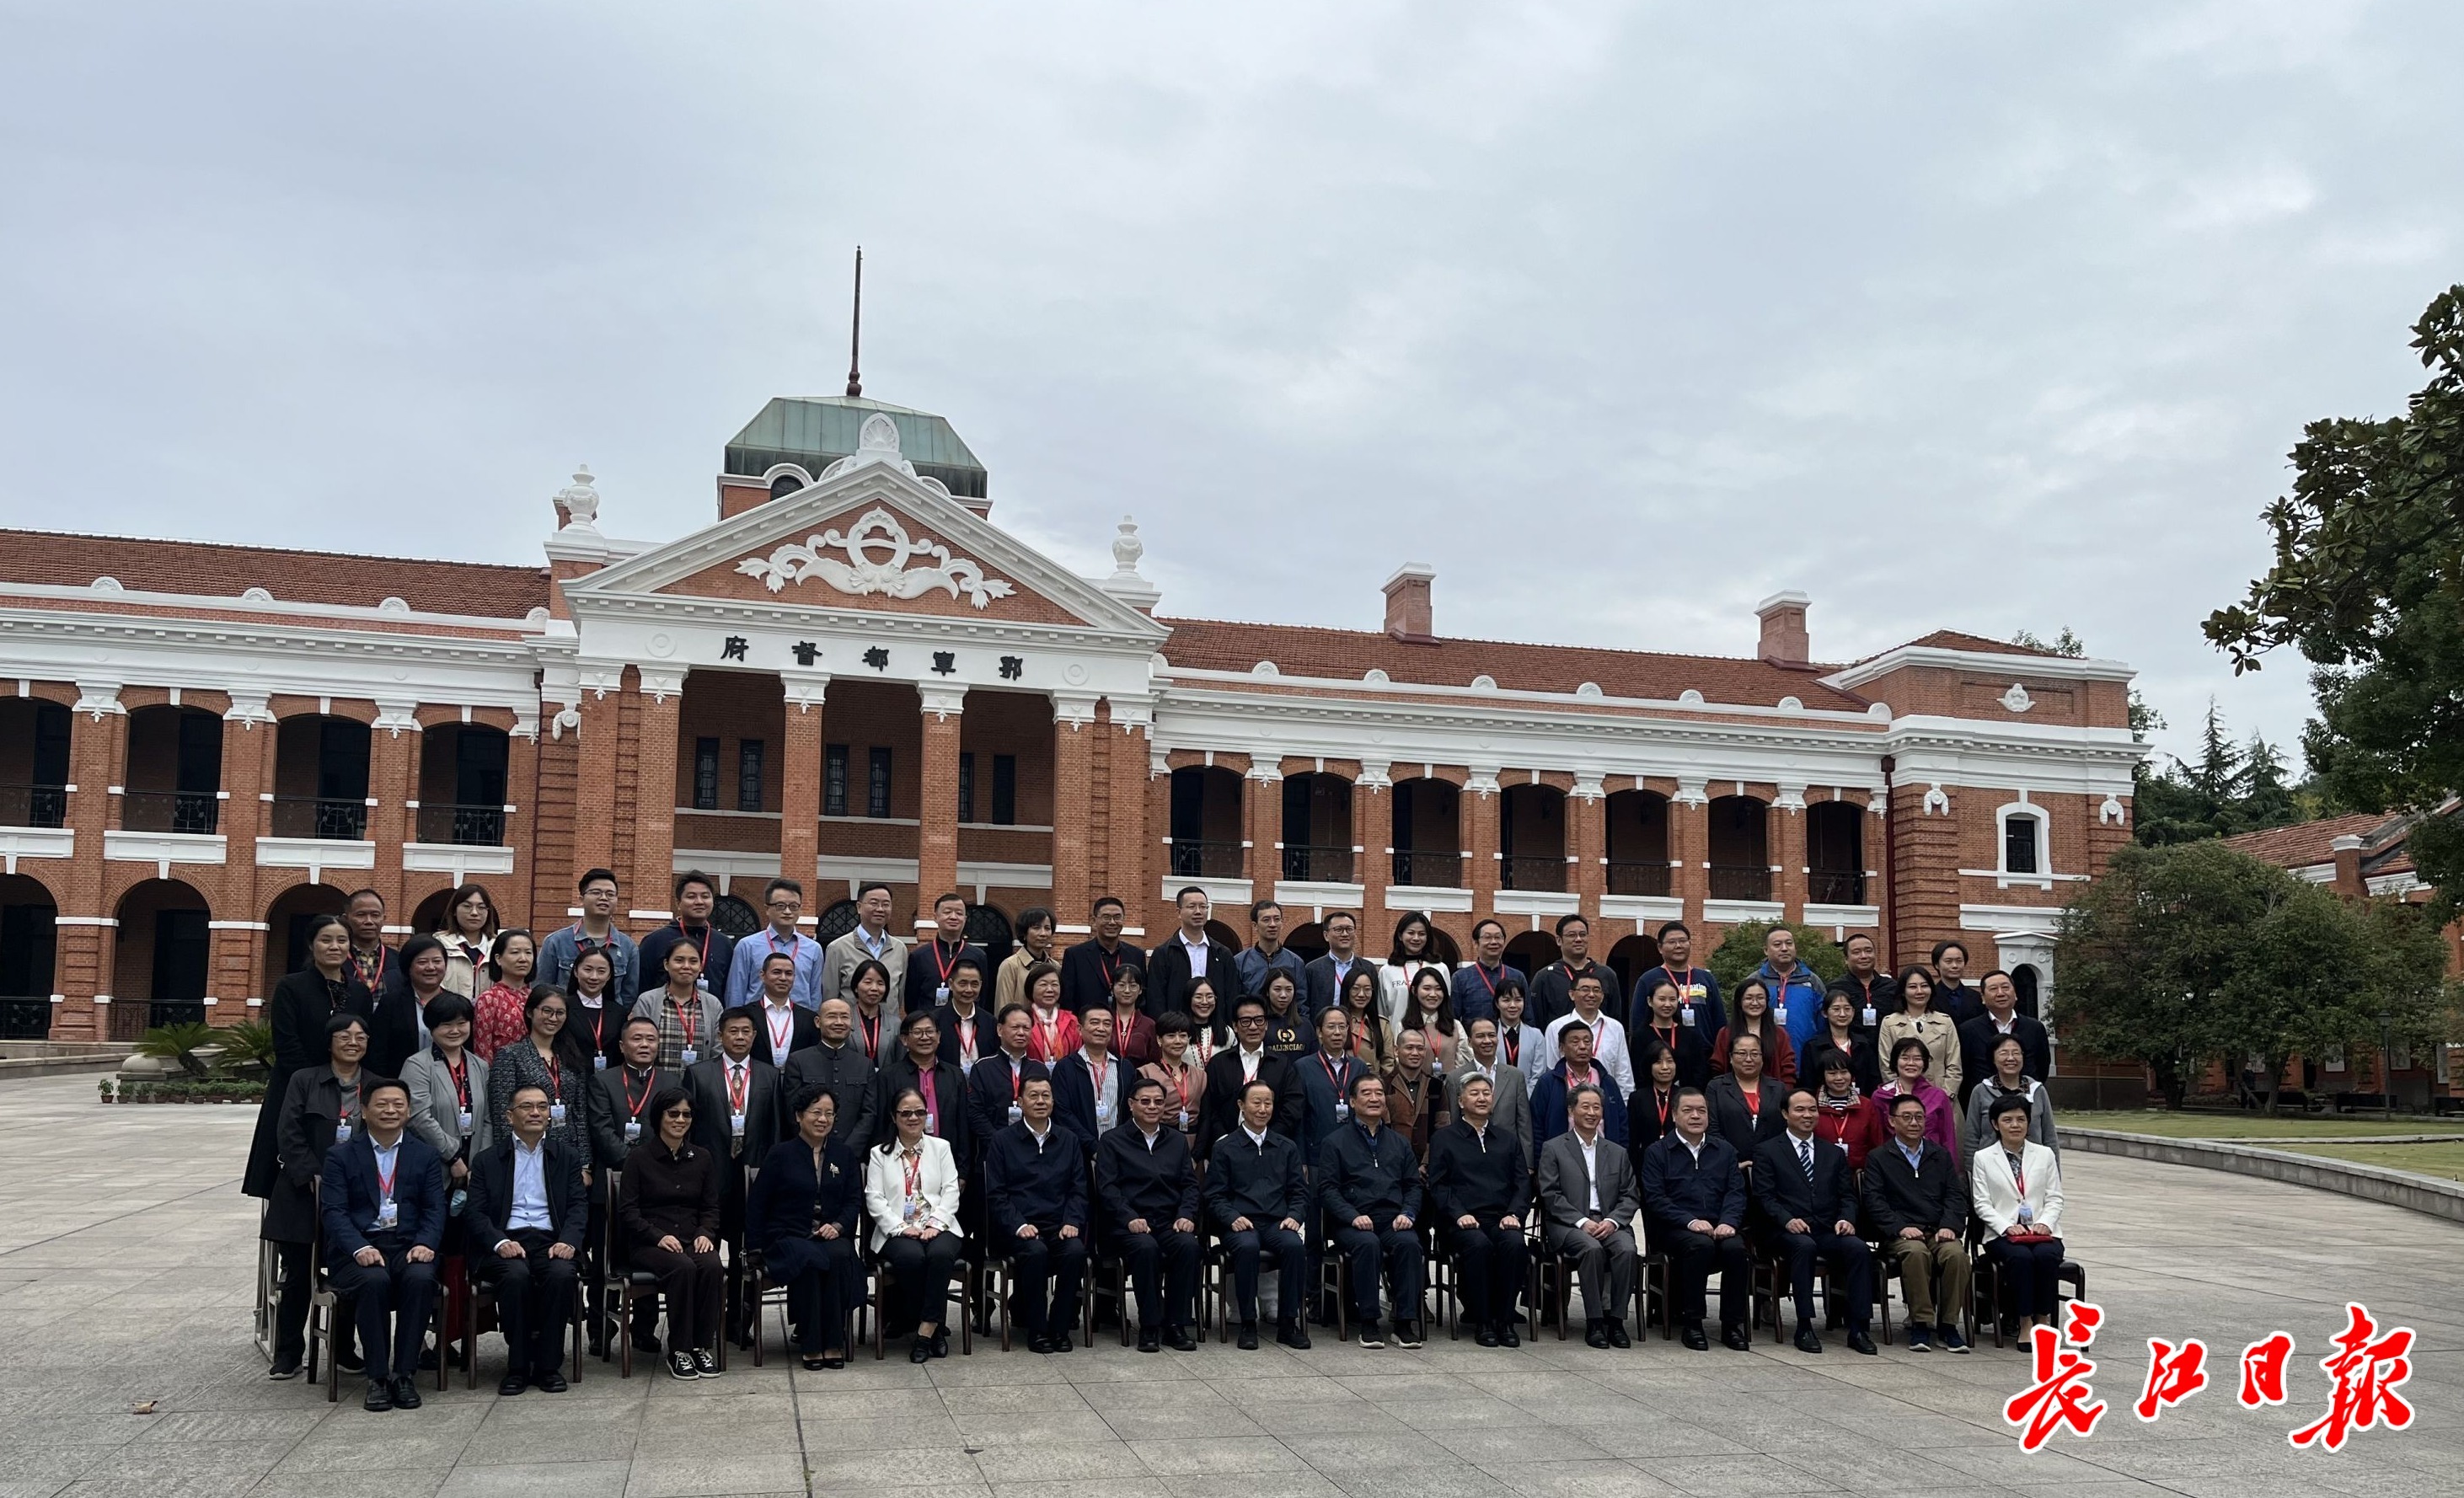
(1512, 1110)
(1565, 1194)
(434, 1105)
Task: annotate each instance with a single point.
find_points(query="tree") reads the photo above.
(1741, 951)
(2369, 585)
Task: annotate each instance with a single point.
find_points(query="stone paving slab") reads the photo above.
(127, 1262)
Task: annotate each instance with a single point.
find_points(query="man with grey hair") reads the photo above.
(1588, 1198)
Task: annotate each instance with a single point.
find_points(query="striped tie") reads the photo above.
(1805, 1155)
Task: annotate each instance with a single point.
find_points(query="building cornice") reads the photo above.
(1596, 701)
(1995, 664)
(242, 604)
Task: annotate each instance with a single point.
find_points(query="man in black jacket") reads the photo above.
(524, 1221)
(1807, 1197)
(1088, 969)
(1553, 987)
(1035, 1199)
(1090, 1084)
(838, 1067)
(1917, 1204)
(1258, 1195)
(1694, 1211)
(1324, 975)
(1248, 1060)
(996, 1089)
(1874, 992)
(1189, 953)
(1369, 1186)
(739, 1111)
(620, 1120)
(1978, 1037)
(930, 963)
(1481, 1190)
(1150, 1195)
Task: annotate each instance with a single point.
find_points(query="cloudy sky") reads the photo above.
(1987, 315)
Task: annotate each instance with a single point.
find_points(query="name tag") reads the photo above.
(342, 1130)
(1342, 1112)
(633, 1130)
(690, 1056)
(1103, 1112)
(1686, 1014)
(1016, 1112)
(941, 994)
(599, 1063)
(1184, 1120)
(1779, 1014)
(387, 1214)
(736, 1125)
(462, 1120)
(556, 1112)
(1869, 1016)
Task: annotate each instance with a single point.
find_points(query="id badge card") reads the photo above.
(599, 1063)
(462, 1120)
(1342, 1112)
(1779, 1014)
(736, 1125)
(1184, 1120)
(1016, 1112)
(387, 1214)
(688, 1056)
(1686, 1014)
(1869, 1016)
(941, 994)
(342, 1130)
(556, 1112)
(633, 1130)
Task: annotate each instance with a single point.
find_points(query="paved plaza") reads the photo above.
(127, 1257)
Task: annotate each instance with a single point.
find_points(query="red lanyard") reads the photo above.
(1017, 1079)
(384, 1177)
(944, 966)
(1180, 1083)
(598, 1026)
(686, 1016)
(555, 1081)
(461, 1075)
(965, 1027)
(739, 1081)
(931, 1096)
(1486, 978)
(373, 985)
(1660, 1101)
(1754, 1099)
(1514, 1048)
(2019, 1177)
(1110, 967)
(1333, 1080)
(1102, 1078)
(871, 1036)
(913, 1166)
(779, 1037)
(633, 1106)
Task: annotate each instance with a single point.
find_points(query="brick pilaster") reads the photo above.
(936, 812)
(654, 798)
(799, 777)
(1074, 735)
(1689, 846)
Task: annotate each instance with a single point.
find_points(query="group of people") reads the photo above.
(548, 1116)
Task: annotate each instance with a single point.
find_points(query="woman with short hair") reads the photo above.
(668, 1206)
(467, 931)
(803, 1209)
(2016, 1185)
(911, 1191)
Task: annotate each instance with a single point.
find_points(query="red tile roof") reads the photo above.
(309, 576)
(1957, 639)
(2306, 843)
(1302, 651)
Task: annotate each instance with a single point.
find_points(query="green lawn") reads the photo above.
(2422, 1160)
(2253, 1126)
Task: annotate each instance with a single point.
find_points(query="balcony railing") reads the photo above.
(131, 1018)
(1835, 887)
(1740, 882)
(1323, 865)
(332, 818)
(1428, 868)
(1639, 876)
(1194, 858)
(1543, 872)
(469, 827)
(33, 806)
(169, 811)
(27, 1017)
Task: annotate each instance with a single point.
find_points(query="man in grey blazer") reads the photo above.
(1511, 1108)
(1588, 1198)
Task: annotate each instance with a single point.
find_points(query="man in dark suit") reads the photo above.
(1874, 992)
(1088, 969)
(1090, 1085)
(930, 963)
(786, 1026)
(965, 1023)
(1978, 1037)
(620, 1118)
(1325, 1078)
(1588, 1196)
(1248, 1060)
(1035, 1199)
(1480, 1190)
(921, 1064)
(996, 1089)
(1189, 953)
(1369, 1187)
(1694, 1210)
(1916, 1202)
(525, 1220)
(840, 1067)
(1807, 1196)
(383, 1209)
(1748, 1108)
(1149, 1189)
(1257, 1194)
(1323, 976)
(739, 1111)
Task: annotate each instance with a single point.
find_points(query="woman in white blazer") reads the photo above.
(1413, 949)
(911, 1191)
(2016, 1185)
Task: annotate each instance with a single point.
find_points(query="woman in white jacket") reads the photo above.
(2016, 1185)
(1413, 949)
(911, 1191)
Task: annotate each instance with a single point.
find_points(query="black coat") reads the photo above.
(1134, 1180)
(302, 1002)
(803, 1034)
(1376, 1177)
(765, 1109)
(303, 1134)
(920, 994)
(1025, 1182)
(1692, 1045)
(1553, 990)
(1220, 1112)
(1168, 977)
(1781, 1191)
(1864, 1064)
(1073, 1096)
(1644, 1123)
(1678, 1188)
(956, 1124)
(614, 1093)
(1747, 1131)
(1264, 1182)
(1487, 1179)
(347, 1202)
(1088, 970)
(1932, 1195)
(1977, 1039)
(992, 1090)
(491, 1203)
(787, 1201)
(1320, 988)
(945, 1019)
(847, 1072)
(393, 1024)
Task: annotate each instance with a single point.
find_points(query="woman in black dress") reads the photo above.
(803, 1211)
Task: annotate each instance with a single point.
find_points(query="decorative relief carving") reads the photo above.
(2017, 699)
(878, 534)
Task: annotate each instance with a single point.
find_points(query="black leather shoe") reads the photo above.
(405, 1391)
(1248, 1338)
(1041, 1344)
(921, 1352)
(380, 1396)
(1736, 1339)
(941, 1342)
(1483, 1337)
(1294, 1335)
(1860, 1342)
(1150, 1340)
(1061, 1342)
(1595, 1334)
(1179, 1340)
(1616, 1332)
(1506, 1336)
(510, 1384)
(1693, 1339)
(549, 1383)
(1808, 1341)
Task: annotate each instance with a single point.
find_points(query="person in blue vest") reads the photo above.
(1796, 989)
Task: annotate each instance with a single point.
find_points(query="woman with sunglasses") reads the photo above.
(668, 1207)
(911, 1191)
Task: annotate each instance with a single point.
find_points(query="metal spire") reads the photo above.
(855, 329)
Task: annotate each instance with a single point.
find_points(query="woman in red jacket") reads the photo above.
(1849, 1117)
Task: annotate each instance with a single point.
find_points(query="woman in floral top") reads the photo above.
(500, 1021)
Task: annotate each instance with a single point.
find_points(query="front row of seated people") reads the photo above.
(1800, 1198)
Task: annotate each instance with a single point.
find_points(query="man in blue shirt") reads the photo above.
(596, 930)
(1476, 982)
(1796, 989)
(783, 900)
(1267, 952)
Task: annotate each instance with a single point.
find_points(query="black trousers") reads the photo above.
(690, 1283)
(1048, 1271)
(534, 1294)
(1406, 1269)
(1291, 1269)
(1848, 1257)
(1492, 1264)
(2032, 1283)
(1691, 1259)
(1171, 1257)
(919, 1281)
(815, 1271)
(391, 1303)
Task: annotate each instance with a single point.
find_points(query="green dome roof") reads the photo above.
(813, 432)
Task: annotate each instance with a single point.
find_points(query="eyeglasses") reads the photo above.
(912, 1112)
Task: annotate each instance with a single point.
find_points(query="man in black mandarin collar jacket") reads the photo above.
(1149, 1190)
(1035, 1198)
(1481, 1190)
(1694, 1210)
(1257, 1194)
(1369, 1186)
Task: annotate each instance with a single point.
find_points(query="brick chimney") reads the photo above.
(1408, 615)
(1784, 641)
(2348, 849)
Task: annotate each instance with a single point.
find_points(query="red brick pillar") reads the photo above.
(82, 939)
(1690, 845)
(594, 826)
(1074, 732)
(1788, 810)
(799, 777)
(1372, 833)
(1588, 808)
(654, 797)
(1924, 875)
(521, 820)
(1484, 802)
(237, 972)
(1130, 835)
(1262, 822)
(936, 812)
(393, 783)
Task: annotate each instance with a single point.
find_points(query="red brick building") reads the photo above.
(850, 672)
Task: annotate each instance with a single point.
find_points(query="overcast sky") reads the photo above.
(1962, 314)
